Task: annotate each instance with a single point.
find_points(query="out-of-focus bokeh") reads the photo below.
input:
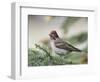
(71, 29)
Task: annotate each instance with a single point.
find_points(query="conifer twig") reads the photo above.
(38, 46)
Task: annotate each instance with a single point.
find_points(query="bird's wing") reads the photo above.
(64, 45)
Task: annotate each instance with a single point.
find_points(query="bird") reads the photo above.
(60, 46)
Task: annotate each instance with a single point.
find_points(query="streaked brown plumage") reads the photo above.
(58, 45)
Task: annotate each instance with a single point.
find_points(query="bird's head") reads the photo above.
(53, 35)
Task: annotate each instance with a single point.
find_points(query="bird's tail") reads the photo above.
(78, 50)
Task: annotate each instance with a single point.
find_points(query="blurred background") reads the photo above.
(71, 29)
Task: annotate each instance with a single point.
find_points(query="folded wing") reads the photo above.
(64, 45)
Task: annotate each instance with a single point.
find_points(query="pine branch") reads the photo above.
(38, 46)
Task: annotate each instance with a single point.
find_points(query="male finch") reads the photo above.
(59, 46)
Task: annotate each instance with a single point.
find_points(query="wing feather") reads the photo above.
(64, 45)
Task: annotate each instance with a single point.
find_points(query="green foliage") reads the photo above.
(68, 22)
(80, 38)
(42, 56)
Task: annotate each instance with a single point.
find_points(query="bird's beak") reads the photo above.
(49, 34)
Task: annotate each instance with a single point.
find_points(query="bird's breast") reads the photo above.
(57, 50)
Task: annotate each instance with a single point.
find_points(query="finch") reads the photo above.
(59, 46)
